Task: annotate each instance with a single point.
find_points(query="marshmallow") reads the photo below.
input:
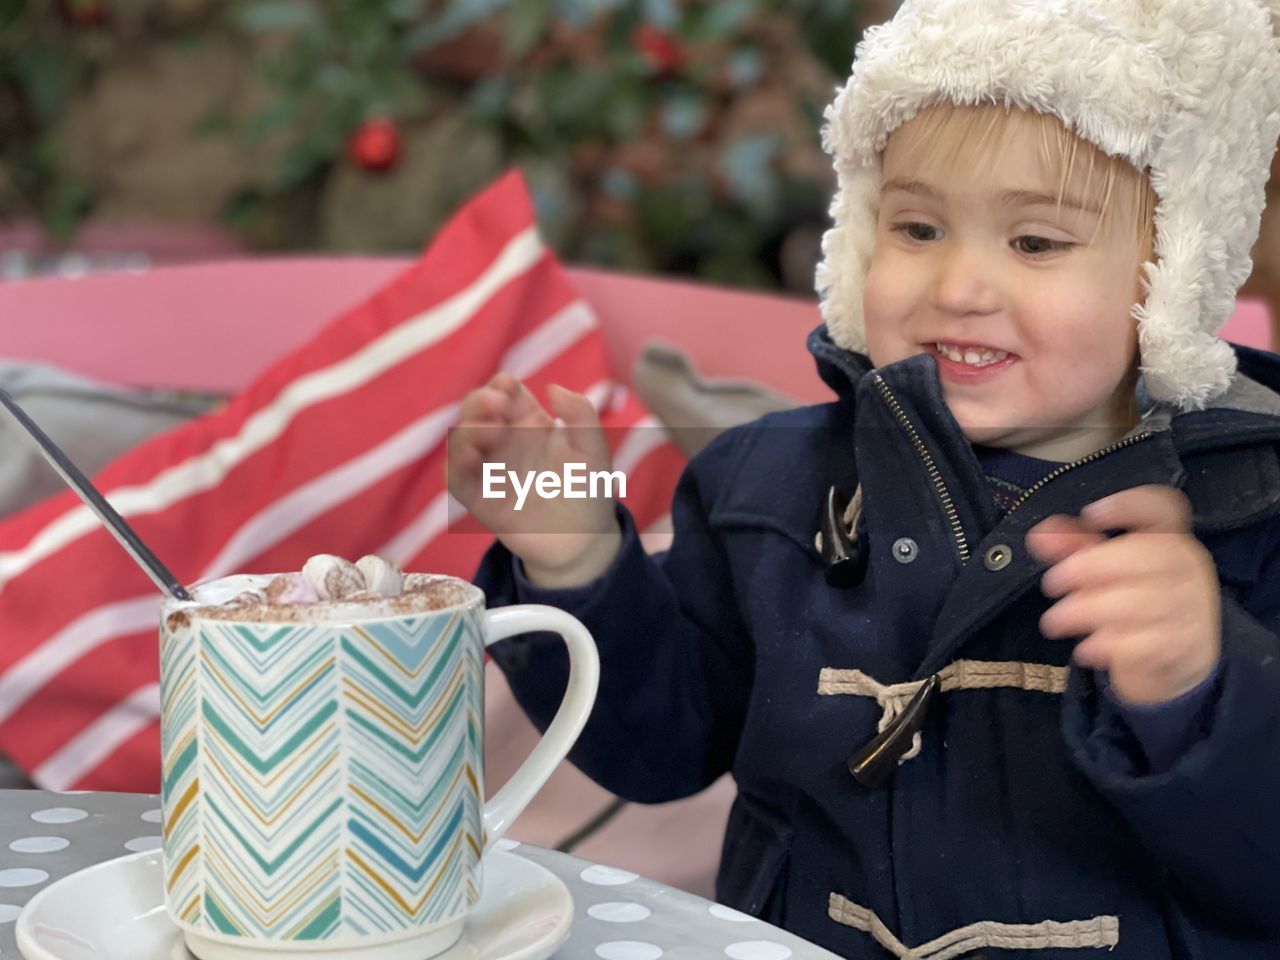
(291, 588)
(381, 576)
(333, 577)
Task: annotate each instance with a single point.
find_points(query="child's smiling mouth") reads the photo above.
(969, 363)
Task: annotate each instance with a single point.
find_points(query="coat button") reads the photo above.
(998, 557)
(905, 550)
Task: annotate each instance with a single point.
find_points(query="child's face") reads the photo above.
(953, 265)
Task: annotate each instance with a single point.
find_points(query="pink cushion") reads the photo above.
(336, 447)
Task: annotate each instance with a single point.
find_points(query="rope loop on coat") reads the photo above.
(958, 675)
(1097, 933)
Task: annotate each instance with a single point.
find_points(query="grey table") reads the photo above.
(619, 916)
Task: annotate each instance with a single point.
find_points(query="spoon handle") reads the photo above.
(96, 502)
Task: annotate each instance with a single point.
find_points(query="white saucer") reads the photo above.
(115, 911)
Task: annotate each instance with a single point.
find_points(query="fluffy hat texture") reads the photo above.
(1188, 88)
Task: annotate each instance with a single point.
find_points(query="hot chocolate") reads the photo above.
(322, 742)
(328, 589)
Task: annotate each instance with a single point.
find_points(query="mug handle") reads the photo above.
(579, 698)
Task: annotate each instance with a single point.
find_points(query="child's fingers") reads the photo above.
(1058, 537)
(465, 459)
(1127, 649)
(482, 426)
(1151, 508)
(580, 416)
(461, 473)
(573, 408)
(485, 405)
(525, 410)
(1108, 561)
(1098, 650)
(484, 438)
(504, 381)
(1084, 612)
(515, 401)
(487, 416)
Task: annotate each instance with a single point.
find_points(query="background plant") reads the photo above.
(656, 135)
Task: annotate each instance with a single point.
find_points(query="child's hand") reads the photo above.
(1147, 602)
(562, 542)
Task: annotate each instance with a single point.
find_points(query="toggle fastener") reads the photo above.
(877, 759)
(846, 561)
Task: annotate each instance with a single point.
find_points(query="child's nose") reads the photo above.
(965, 281)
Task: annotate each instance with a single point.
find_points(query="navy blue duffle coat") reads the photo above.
(1027, 823)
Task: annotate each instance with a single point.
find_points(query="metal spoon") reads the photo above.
(96, 502)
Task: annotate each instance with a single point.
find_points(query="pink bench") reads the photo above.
(214, 326)
(235, 317)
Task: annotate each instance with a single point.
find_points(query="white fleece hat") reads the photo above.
(1189, 88)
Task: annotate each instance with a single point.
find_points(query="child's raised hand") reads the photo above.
(1147, 602)
(562, 542)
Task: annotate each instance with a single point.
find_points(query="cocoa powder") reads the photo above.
(423, 593)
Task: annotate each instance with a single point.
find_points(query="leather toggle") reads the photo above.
(877, 759)
(846, 561)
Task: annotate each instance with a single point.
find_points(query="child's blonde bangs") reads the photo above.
(947, 134)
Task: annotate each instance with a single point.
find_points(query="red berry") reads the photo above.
(87, 13)
(660, 50)
(375, 145)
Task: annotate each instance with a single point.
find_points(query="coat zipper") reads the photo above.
(935, 477)
(953, 517)
(1059, 471)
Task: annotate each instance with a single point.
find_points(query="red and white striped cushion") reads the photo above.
(337, 448)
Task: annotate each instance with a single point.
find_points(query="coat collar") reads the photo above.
(1249, 411)
(1233, 445)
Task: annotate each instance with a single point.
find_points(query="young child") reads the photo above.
(1020, 696)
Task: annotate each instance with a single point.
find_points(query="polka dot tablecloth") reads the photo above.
(619, 916)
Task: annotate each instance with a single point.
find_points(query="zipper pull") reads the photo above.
(846, 561)
(877, 759)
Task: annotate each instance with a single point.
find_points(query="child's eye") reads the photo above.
(913, 230)
(1029, 244)
(1042, 245)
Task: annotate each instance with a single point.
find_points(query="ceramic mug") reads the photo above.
(323, 781)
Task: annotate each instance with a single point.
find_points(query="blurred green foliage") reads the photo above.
(627, 115)
(42, 65)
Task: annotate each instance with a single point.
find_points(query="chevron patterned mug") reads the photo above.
(323, 780)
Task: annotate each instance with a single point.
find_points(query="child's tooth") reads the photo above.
(988, 357)
(972, 357)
